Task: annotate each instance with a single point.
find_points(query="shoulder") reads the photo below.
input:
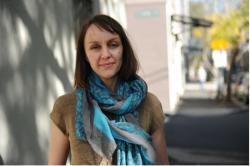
(151, 113)
(63, 111)
(151, 100)
(65, 100)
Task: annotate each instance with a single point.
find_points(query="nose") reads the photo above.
(105, 53)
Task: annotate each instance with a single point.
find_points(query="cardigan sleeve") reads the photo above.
(57, 115)
(157, 115)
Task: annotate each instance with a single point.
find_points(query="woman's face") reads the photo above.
(104, 52)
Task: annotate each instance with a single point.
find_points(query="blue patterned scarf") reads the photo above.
(133, 146)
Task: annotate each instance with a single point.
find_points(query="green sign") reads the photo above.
(148, 13)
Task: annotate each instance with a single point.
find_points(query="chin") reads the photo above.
(108, 75)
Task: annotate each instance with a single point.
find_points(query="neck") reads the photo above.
(110, 83)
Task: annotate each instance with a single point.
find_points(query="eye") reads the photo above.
(114, 45)
(95, 47)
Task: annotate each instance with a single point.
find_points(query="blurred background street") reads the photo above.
(206, 131)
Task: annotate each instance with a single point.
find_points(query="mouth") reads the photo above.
(107, 65)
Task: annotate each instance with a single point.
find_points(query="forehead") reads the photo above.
(95, 33)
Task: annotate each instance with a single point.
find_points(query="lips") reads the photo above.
(107, 65)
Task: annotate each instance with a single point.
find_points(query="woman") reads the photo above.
(109, 118)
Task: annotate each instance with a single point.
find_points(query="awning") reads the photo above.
(195, 22)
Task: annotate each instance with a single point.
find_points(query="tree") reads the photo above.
(233, 29)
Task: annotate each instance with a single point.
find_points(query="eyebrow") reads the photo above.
(112, 39)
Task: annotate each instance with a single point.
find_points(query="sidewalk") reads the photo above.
(204, 131)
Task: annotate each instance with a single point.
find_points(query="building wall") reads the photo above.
(37, 53)
(115, 9)
(146, 28)
(175, 51)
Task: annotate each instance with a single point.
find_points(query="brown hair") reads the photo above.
(129, 65)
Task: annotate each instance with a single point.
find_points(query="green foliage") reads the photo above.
(232, 27)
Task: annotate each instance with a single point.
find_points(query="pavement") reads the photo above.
(206, 131)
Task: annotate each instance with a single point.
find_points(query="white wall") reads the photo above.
(146, 28)
(115, 9)
(175, 55)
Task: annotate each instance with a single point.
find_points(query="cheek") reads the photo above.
(120, 61)
(90, 59)
(120, 57)
(119, 54)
